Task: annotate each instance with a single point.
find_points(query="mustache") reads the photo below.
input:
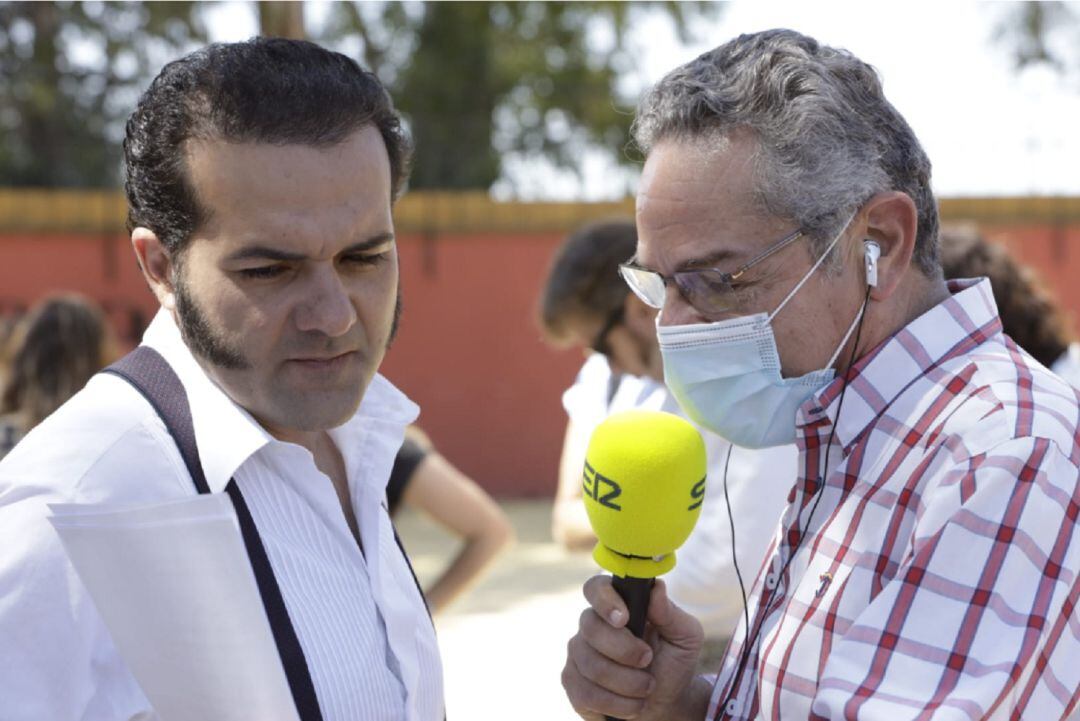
(320, 345)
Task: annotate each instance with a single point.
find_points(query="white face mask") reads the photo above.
(726, 375)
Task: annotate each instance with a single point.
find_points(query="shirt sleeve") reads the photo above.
(979, 621)
(56, 656)
(586, 401)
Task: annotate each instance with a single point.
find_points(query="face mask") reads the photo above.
(726, 375)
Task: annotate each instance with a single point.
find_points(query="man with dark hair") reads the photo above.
(260, 180)
(927, 565)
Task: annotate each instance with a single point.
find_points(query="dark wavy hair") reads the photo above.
(267, 90)
(584, 280)
(1029, 313)
(54, 350)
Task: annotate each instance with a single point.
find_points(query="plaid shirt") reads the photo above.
(939, 576)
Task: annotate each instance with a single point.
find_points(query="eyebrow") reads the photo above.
(265, 252)
(705, 261)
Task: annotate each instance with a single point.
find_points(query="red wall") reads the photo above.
(469, 350)
(1053, 250)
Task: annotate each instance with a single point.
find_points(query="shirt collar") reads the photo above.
(371, 438)
(964, 320)
(227, 435)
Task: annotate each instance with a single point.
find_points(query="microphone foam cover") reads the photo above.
(643, 483)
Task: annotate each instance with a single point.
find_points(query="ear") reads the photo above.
(892, 220)
(156, 264)
(639, 317)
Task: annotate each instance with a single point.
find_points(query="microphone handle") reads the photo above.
(635, 593)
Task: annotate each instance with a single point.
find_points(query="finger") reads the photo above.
(606, 601)
(607, 674)
(673, 624)
(617, 644)
(593, 702)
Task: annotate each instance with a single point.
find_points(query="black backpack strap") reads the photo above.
(151, 375)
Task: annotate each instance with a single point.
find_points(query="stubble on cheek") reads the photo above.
(201, 337)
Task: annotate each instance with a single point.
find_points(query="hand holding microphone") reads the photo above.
(644, 483)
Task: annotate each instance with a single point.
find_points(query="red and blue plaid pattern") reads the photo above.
(939, 576)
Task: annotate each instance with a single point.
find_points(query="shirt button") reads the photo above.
(731, 707)
(770, 581)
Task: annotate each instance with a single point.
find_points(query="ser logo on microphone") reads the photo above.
(698, 494)
(600, 488)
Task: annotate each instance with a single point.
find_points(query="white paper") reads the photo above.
(174, 585)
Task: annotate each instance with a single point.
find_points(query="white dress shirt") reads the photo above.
(703, 581)
(358, 616)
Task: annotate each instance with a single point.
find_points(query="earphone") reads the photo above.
(871, 251)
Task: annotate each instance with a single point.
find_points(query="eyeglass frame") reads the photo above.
(600, 340)
(723, 276)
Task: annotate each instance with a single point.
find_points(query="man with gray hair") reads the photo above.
(928, 563)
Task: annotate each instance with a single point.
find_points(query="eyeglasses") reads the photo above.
(709, 290)
(600, 340)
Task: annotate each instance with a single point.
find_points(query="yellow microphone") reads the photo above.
(644, 483)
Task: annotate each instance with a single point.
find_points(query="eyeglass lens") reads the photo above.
(707, 290)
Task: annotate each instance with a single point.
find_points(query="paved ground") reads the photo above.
(503, 647)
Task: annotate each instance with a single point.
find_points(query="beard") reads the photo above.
(206, 342)
(200, 336)
(396, 321)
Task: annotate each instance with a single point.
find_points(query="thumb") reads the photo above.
(670, 622)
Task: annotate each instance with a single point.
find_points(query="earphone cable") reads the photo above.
(744, 657)
(734, 555)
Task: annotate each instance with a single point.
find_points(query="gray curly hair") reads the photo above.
(828, 139)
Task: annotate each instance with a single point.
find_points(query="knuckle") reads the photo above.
(594, 588)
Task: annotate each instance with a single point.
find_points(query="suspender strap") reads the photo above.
(152, 376)
(288, 646)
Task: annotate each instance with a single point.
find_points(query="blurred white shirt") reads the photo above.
(703, 581)
(359, 618)
(1068, 365)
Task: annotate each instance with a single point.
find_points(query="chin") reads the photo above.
(318, 411)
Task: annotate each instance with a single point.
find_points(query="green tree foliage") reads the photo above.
(71, 73)
(1041, 33)
(477, 80)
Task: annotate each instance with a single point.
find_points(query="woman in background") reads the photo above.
(425, 481)
(52, 352)
(1029, 313)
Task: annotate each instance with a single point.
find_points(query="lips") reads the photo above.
(325, 362)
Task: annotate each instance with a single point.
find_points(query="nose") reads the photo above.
(676, 310)
(326, 307)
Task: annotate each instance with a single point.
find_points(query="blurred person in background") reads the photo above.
(585, 304)
(424, 480)
(52, 352)
(260, 180)
(7, 325)
(1029, 313)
